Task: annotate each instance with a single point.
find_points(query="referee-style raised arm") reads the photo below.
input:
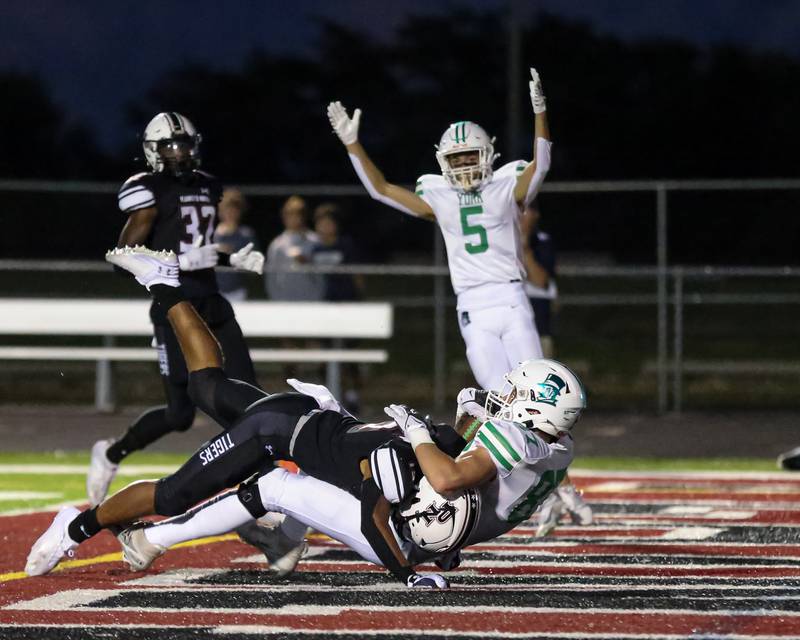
(371, 177)
(531, 179)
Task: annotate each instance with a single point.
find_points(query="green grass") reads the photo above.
(71, 487)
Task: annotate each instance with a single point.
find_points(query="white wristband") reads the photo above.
(542, 167)
(418, 437)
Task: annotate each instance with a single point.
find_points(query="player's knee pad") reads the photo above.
(250, 497)
(171, 499)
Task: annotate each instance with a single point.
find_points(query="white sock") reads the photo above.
(217, 516)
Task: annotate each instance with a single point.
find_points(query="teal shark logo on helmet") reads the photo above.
(550, 390)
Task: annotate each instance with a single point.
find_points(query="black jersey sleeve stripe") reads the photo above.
(373, 463)
(129, 190)
(390, 473)
(396, 472)
(137, 200)
(136, 207)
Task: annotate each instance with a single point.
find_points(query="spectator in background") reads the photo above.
(292, 248)
(231, 236)
(333, 249)
(539, 256)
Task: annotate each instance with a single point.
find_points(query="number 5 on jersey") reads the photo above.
(473, 229)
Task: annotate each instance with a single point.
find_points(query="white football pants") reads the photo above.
(497, 339)
(315, 503)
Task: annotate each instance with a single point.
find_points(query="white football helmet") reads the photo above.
(436, 524)
(464, 137)
(540, 394)
(171, 143)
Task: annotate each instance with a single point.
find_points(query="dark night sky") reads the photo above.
(97, 55)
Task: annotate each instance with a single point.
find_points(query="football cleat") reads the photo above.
(101, 472)
(52, 545)
(282, 552)
(790, 460)
(549, 515)
(147, 266)
(579, 511)
(137, 551)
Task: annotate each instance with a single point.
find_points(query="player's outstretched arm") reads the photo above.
(371, 177)
(471, 469)
(375, 514)
(530, 180)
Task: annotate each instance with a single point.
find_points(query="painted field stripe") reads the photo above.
(713, 477)
(83, 598)
(44, 508)
(29, 495)
(81, 469)
(114, 557)
(545, 620)
(406, 632)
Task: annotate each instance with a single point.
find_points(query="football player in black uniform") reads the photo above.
(174, 207)
(309, 428)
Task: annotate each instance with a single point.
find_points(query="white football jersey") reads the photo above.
(480, 228)
(528, 469)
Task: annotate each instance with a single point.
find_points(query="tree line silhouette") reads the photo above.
(618, 110)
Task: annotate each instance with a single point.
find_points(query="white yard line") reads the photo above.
(81, 469)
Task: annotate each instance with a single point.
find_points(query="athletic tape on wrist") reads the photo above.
(418, 437)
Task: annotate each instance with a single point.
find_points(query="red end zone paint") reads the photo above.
(752, 576)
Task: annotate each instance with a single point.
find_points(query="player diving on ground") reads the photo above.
(308, 427)
(478, 211)
(500, 479)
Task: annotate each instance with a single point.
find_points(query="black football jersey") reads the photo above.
(331, 446)
(187, 214)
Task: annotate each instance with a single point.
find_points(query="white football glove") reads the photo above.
(320, 393)
(405, 419)
(537, 95)
(245, 259)
(198, 257)
(344, 126)
(427, 581)
(473, 402)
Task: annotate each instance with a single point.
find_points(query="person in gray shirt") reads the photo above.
(291, 248)
(231, 236)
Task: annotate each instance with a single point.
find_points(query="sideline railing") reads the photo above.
(659, 188)
(675, 278)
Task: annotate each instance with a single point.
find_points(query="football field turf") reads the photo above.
(35, 481)
(678, 549)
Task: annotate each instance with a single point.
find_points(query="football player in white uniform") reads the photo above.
(520, 451)
(478, 211)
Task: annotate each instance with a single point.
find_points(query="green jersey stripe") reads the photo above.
(494, 451)
(502, 440)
